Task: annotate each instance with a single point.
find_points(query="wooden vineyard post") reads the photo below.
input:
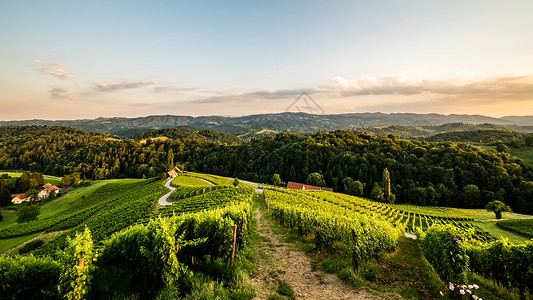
(80, 262)
(233, 247)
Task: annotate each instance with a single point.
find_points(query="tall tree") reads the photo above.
(66, 180)
(386, 186)
(5, 196)
(23, 183)
(170, 160)
(36, 179)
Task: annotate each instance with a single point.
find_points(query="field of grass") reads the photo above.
(525, 153)
(217, 180)
(49, 209)
(54, 207)
(7, 244)
(486, 221)
(189, 181)
(523, 227)
(47, 179)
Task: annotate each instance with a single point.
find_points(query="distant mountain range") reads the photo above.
(266, 124)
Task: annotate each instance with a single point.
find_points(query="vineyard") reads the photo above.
(189, 181)
(521, 227)
(413, 219)
(197, 242)
(210, 228)
(183, 192)
(210, 200)
(329, 223)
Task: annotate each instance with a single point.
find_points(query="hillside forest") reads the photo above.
(420, 172)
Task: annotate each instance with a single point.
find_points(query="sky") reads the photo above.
(88, 59)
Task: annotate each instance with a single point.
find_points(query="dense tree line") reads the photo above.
(61, 150)
(419, 172)
(190, 133)
(422, 173)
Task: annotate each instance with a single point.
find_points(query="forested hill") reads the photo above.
(292, 122)
(190, 133)
(478, 136)
(421, 172)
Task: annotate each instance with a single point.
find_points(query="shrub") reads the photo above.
(443, 248)
(29, 277)
(31, 246)
(28, 213)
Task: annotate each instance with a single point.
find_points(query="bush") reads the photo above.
(28, 213)
(443, 248)
(29, 277)
(31, 246)
(509, 264)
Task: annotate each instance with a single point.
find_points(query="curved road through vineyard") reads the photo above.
(163, 201)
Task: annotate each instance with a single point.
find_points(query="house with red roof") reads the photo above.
(19, 198)
(47, 190)
(174, 172)
(291, 185)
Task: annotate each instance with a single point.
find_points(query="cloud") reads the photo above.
(61, 93)
(257, 96)
(56, 69)
(498, 87)
(173, 89)
(125, 85)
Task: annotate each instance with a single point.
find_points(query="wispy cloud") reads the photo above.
(56, 69)
(494, 89)
(61, 93)
(125, 85)
(499, 87)
(257, 96)
(173, 89)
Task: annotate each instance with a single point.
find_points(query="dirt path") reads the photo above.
(276, 260)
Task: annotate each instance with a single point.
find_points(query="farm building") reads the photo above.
(47, 190)
(174, 172)
(19, 198)
(306, 187)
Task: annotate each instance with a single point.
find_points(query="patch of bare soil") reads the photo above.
(277, 261)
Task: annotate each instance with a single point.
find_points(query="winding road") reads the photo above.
(163, 201)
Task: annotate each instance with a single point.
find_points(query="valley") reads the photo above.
(207, 233)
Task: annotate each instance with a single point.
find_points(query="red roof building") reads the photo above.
(18, 198)
(305, 187)
(50, 188)
(174, 172)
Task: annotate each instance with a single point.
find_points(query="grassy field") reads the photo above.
(487, 221)
(217, 180)
(523, 227)
(189, 181)
(48, 209)
(47, 179)
(525, 153)
(10, 243)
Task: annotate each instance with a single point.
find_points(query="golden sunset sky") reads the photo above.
(88, 59)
